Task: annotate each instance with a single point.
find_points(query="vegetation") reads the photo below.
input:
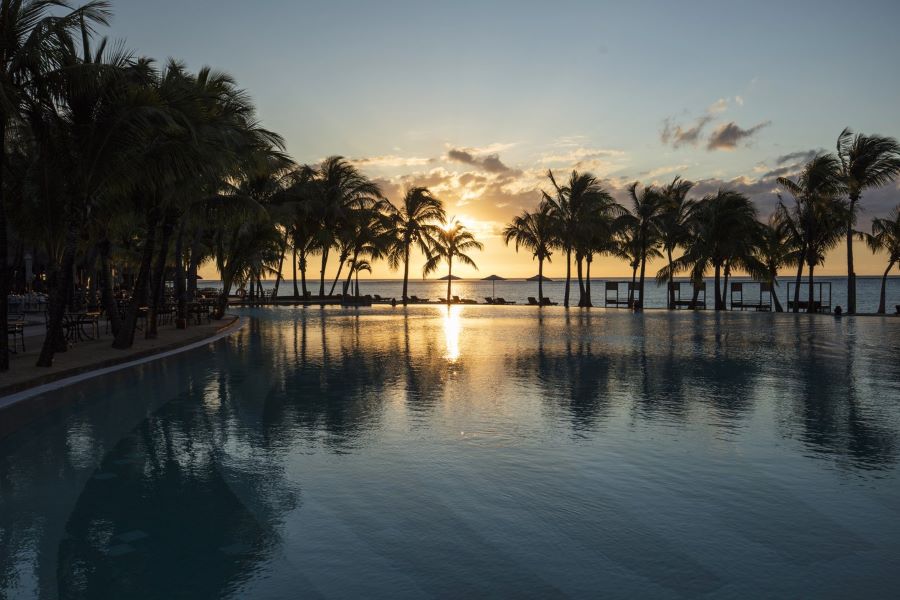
(453, 242)
(885, 237)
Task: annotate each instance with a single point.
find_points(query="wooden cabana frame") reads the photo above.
(741, 300)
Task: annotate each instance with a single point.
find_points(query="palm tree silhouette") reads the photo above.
(643, 221)
(415, 222)
(535, 231)
(817, 214)
(453, 242)
(672, 222)
(865, 162)
(776, 250)
(885, 237)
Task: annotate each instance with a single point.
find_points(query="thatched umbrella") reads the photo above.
(493, 279)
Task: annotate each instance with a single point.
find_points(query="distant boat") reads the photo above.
(541, 277)
(446, 277)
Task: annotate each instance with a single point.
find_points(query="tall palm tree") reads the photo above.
(672, 223)
(816, 215)
(643, 220)
(885, 237)
(416, 222)
(339, 189)
(453, 243)
(31, 34)
(866, 162)
(535, 231)
(568, 205)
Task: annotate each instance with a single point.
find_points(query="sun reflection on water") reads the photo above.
(452, 328)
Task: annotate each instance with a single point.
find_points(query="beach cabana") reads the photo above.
(698, 290)
(617, 298)
(446, 277)
(821, 296)
(743, 298)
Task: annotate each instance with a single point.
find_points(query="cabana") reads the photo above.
(698, 288)
(821, 296)
(617, 300)
(741, 300)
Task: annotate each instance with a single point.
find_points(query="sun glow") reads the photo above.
(452, 329)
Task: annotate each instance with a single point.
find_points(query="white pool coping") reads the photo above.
(11, 399)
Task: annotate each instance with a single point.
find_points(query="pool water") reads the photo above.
(472, 451)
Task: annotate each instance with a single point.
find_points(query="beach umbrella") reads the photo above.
(446, 277)
(541, 277)
(493, 279)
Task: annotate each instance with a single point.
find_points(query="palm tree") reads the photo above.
(453, 242)
(776, 250)
(715, 223)
(885, 237)
(339, 190)
(537, 232)
(416, 222)
(31, 34)
(643, 220)
(816, 215)
(672, 223)
(866, 162)
(569, 205)
(360, 265)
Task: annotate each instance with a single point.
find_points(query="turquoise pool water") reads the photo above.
(480, 451)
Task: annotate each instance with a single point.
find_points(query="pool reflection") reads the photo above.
(310, 423)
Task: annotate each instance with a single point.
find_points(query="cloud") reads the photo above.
(719, 106)
(801, 156)
(580, 154)
(678, 136)
(728, 135)
(490, 163)
(391, 160)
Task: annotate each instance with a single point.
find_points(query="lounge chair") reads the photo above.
(546, 302)
(502, 301)
(456, 300)
(532, 301)
(489, 300)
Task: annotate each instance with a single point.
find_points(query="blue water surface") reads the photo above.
(472, 451)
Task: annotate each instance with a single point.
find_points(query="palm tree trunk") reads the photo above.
(405, 273)
(809, 307)
(322, 272)
(725, 292)
(55, 340)
(851, 275)
(797, 286)
(302, 266)
(352, 268)
(587, 283)
(716, 281)
(107, 297)
(222, 306)
(778, 307)
(568, 276)
(294, 268)
(670, 290)
(449, 277)
(540, 281)
(881, 297)
(125, 337)
(342, 258)
(643, 272)
(194, 264)
(578, 268)
(281, 264)
(634, 268)
(159, 278)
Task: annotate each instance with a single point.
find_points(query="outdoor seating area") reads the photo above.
(616, 298)
(696, 299)
(532, 301)
(751, 295)
(821, 297)
(496, 301)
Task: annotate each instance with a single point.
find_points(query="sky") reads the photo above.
(477, 100)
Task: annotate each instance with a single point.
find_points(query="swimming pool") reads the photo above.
(474, 450)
